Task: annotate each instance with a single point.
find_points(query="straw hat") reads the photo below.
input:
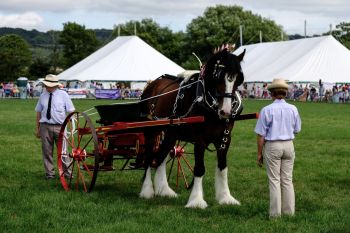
(51, 80)
(278, 83)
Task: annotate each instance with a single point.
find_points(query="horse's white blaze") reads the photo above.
(147, 191)
(196, 198)
(222, 192)
(227, 102)
(161, 185)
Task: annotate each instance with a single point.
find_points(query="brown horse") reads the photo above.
(212, 94)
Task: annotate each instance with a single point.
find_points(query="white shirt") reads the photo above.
(60, 105)
(278, 121)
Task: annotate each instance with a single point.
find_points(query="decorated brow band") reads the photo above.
(229, 47)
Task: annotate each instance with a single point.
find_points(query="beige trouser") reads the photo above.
(49, 135)
(279, 158)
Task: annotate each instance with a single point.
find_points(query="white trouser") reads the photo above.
(279, 158)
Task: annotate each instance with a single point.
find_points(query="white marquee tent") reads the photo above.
(126, 58)
(303, 60)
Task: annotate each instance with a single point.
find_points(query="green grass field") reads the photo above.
(29, 203)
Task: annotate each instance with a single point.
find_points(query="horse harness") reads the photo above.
(205, 99)
(209, 102)
(202, 99)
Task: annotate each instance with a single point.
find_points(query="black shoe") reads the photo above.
(50, 177)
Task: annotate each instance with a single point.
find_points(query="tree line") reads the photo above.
(33, 54)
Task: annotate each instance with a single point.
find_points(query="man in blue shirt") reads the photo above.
(51, 109)
(275, 128)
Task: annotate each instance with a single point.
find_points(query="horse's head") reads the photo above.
(222, 76)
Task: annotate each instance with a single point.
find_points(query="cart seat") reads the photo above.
(121, 112)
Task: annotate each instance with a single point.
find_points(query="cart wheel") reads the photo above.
(184, 168)
(77, 153)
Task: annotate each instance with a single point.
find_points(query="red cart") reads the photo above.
(83, 148)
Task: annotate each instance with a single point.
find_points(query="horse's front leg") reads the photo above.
(222, 191)
(196, 199)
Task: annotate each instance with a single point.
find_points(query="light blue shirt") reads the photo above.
(60, 105)
(278, 121)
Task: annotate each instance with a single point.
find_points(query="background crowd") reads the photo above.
(11, 90)
(301, 92)
(305, 92)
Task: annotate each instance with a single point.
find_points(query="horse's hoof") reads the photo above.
(147, 194)
(229, 200)
(167, 193)
(199, 204)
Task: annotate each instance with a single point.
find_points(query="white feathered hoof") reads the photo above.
(201, 204)
(166, 192)
(228, 200)
(147, 192)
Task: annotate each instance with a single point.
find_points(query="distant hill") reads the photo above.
(43, 39)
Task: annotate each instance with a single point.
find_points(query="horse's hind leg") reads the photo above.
(196, 199)
(222, 191)
(161, 185)
(147, 190)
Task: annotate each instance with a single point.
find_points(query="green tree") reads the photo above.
(343, 33)
(220, 25)
(78, 42)
(38, 69)
(15, 57)
(55, 57)
(160, 38)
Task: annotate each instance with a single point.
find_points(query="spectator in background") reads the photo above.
(2, 90)
(28, 90)
(321, 89)
(265, 92)
(312, 93)
(252, 91)
(258, 92)
(245, 91)
(15, 91)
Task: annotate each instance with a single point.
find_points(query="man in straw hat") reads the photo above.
(51, 110)
(276, 128)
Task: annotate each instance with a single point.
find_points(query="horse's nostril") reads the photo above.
(222, 112)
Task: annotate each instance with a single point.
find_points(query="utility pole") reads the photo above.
(282, 36)
(135, 28)
(330, 29)
(241, 34)
(305, 29)
(118, 31)
(260, 36)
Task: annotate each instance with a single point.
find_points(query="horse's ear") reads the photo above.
(240, 57)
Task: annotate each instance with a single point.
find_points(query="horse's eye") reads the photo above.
(230, 78)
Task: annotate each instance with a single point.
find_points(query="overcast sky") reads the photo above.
(45, 15)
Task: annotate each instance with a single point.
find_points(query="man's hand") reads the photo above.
(260, 160)
(37, 132)
(260, 142)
